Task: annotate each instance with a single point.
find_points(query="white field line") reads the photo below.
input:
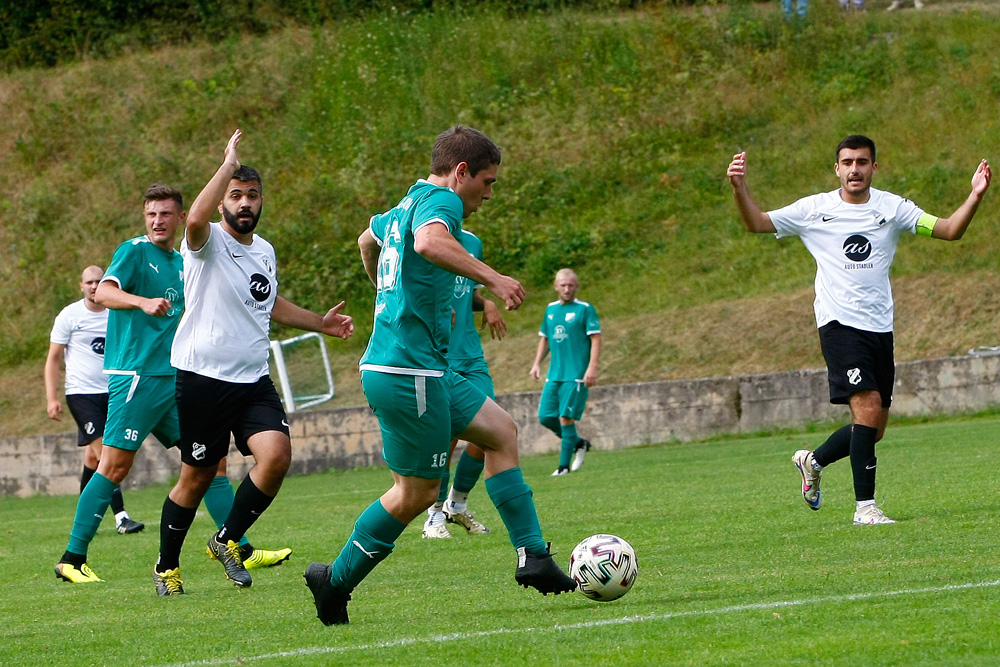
(464, 636)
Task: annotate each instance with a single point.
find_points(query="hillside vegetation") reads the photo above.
(617, 129)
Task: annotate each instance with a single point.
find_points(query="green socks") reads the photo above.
(90, 509)
(372, 541)
(512, 498)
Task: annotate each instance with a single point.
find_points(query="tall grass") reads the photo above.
(616, 126)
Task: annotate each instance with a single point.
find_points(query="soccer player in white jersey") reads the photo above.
(220, 352)
(78, 336)
(852, 234)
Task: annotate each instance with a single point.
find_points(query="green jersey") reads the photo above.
(465, 343)
(568, 328)
(137, 342)
(413, 297)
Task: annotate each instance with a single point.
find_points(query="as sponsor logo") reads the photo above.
(97, 345)
(560, 333)
(260, 287)
(857, 248)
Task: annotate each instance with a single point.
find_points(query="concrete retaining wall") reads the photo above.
(617, 416)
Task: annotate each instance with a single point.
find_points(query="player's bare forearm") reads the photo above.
(110, 295)
(435, 243)
(332, 324)
(52, 362)
(754, 219)
(207, 202)
(590, 375)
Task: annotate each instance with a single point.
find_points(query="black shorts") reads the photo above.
(857, 361)
(90, 412)
(210, 410)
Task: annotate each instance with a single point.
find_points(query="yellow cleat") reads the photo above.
(265, 558)
(75, 575)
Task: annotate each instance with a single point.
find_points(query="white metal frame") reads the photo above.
(293, 403)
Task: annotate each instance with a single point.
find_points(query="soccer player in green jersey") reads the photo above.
(412, 254)
(465, 357)
(571, 330)
(144, 290)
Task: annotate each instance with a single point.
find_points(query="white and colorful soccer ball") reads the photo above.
(605, 567)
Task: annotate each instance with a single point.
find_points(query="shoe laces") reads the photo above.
(233, 551)
(172, 580)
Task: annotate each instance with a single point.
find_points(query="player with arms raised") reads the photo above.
(852, 234)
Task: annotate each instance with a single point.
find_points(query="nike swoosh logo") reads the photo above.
(284, 423)
(828, 218)
(171, 527)
(235, 256)
(869, 467)
(98, 516)
(370, 554)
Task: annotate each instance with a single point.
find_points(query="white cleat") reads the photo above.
(435, 528)
(560, 471)
(810, 478)
(582, 448)
(871, 516)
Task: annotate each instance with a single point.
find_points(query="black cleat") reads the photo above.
(542, 573)
(128, 526)
(229, 555)
(331, 603)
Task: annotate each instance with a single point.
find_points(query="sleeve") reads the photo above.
(211, 243)
(793, 219)
(62, 328)
(593, 323)
(442, 206)
(123, 266)
(912, 218)
(543, 330)
(377, 226)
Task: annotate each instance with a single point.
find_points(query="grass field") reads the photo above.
(733, 569)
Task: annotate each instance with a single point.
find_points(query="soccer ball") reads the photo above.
(604, 566)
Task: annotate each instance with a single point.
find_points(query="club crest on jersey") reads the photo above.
(854, 376)
(857, 248)
(462, 286)
(97, 345)
(260, 287)
(198, 451)
(879, 219)
(570, 317)
(173, 296)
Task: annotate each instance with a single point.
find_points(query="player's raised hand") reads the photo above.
(981, 179)
(509, 290)
(337, 325)
(737, 168)
(231, 157)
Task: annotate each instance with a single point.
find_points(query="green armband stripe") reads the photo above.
(925, 225)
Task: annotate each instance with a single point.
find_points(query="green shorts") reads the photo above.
(563, 399)
(419, 416)
(478, 373)
(140, 405)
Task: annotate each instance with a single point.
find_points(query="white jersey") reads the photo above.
(82, 331)
(229, 292)
(853, 245)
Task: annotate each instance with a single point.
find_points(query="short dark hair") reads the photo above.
(246, 173)
(162, 191)
(463, 144)
(854, 142)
